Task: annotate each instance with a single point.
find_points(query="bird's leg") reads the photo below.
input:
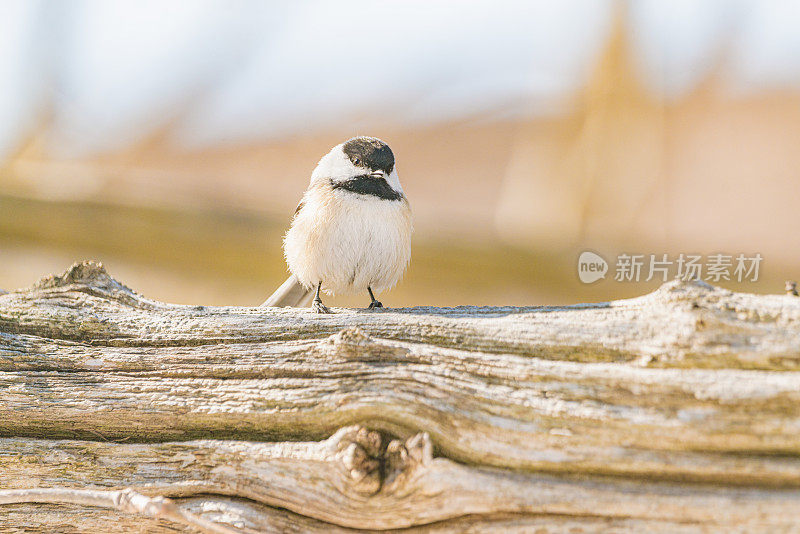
(317, 304)
(374, 304)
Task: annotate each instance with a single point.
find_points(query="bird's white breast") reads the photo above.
(349, 241)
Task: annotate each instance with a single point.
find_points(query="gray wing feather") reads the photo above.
(291, 293)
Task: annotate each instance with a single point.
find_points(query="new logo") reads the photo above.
(591, 267)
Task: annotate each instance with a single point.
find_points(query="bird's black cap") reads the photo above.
(370, 152)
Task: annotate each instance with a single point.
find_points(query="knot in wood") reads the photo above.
(351, 336)
(358, 451)
(374, 464)
(353, 344)
(403, 459)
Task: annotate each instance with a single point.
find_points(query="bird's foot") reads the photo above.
(319, 307)
(374, 305)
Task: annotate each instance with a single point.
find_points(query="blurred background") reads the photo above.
(173, 139)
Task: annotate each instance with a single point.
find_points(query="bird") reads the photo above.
(351, 232)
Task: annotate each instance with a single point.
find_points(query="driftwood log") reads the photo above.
(677, 411)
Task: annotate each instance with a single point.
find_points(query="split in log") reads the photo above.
(676, 411)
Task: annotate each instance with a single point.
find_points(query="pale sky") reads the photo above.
(239, 71)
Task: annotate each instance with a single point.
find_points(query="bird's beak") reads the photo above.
(378, 174)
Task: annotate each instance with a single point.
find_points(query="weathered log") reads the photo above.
(675, 411)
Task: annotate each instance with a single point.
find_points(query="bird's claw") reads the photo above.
(319, 307)
(374, 305)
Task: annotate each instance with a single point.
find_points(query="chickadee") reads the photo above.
(351, 231)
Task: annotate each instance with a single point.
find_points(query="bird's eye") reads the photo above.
(357, 161)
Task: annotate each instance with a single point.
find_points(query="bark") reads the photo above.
(676, 411)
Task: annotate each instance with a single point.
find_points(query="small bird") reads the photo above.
(351, 231)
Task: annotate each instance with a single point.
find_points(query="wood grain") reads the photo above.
(675, 411)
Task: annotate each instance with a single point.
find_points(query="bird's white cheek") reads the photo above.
(335, 165)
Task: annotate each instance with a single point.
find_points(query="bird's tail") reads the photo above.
(291, 293)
